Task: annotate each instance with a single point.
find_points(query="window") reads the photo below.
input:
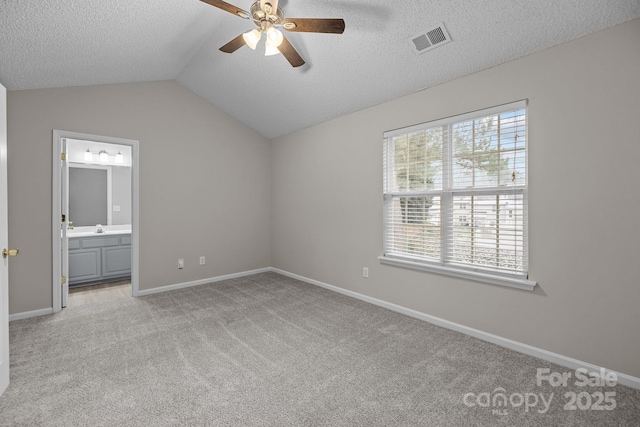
(455, 196)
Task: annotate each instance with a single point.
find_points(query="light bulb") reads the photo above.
(104, 157)
(119, 158)
(252, 38)
(88, 157)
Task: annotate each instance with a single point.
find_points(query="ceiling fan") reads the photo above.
(269, 17)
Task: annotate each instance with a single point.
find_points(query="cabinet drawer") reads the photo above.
(125, 240)
(99, 242)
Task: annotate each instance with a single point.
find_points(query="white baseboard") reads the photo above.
(549, 356)
(28, 314)
(201, 282)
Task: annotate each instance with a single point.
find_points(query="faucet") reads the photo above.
(99, 228)
(70, 226)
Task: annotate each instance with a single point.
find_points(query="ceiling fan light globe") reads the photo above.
(274, 37)
(252, 38)
(270, 50)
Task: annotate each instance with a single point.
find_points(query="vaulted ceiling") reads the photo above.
(57, 43)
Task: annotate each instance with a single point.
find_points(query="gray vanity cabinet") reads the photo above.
(99, 258)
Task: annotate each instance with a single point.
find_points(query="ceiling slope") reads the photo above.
(54, 43)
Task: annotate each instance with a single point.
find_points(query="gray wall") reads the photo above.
(204, 182)
(87, 196)
(121, 194)
(584, 200)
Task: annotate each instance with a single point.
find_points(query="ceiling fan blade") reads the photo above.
(234, 44)
(229, 8)
(290, 53)
(314, 25)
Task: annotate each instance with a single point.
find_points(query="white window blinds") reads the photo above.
(455, 192)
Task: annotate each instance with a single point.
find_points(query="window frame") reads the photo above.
(446, 265)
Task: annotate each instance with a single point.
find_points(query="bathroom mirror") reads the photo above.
(99, 195)
(87, 196)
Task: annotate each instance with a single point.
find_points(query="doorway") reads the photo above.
(95, 218)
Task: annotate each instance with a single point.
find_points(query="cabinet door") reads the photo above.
(116, 261)
(84, 265)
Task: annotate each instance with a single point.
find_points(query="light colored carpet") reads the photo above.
(267, 350)
(99, 292)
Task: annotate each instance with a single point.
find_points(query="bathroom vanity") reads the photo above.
(99, 257)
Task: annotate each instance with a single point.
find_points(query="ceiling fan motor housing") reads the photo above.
(267, 16)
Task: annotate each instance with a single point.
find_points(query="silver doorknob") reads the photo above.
(10, 252)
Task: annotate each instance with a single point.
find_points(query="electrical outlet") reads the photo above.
(202, 260)
(365, 272)
(180, 264)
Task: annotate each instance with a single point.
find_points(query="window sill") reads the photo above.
(525, 284)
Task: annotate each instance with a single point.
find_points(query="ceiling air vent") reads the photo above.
(430, 39)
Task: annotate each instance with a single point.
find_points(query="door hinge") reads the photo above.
(63, 280)
(64, 218)
(63, 156)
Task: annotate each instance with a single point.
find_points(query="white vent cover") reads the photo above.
(430, 39)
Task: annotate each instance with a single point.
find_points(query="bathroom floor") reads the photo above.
(100, 292)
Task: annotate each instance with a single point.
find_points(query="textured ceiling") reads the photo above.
(55, 43)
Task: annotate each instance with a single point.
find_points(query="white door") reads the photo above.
(4, 242)
(64, 239)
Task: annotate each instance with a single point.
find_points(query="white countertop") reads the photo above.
(108, 230)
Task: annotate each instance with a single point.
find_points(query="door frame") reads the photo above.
(56, 209)
(63, 167)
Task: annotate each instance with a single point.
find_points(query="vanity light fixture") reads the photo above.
(119, 157)
(104, 156)
(88, 156)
